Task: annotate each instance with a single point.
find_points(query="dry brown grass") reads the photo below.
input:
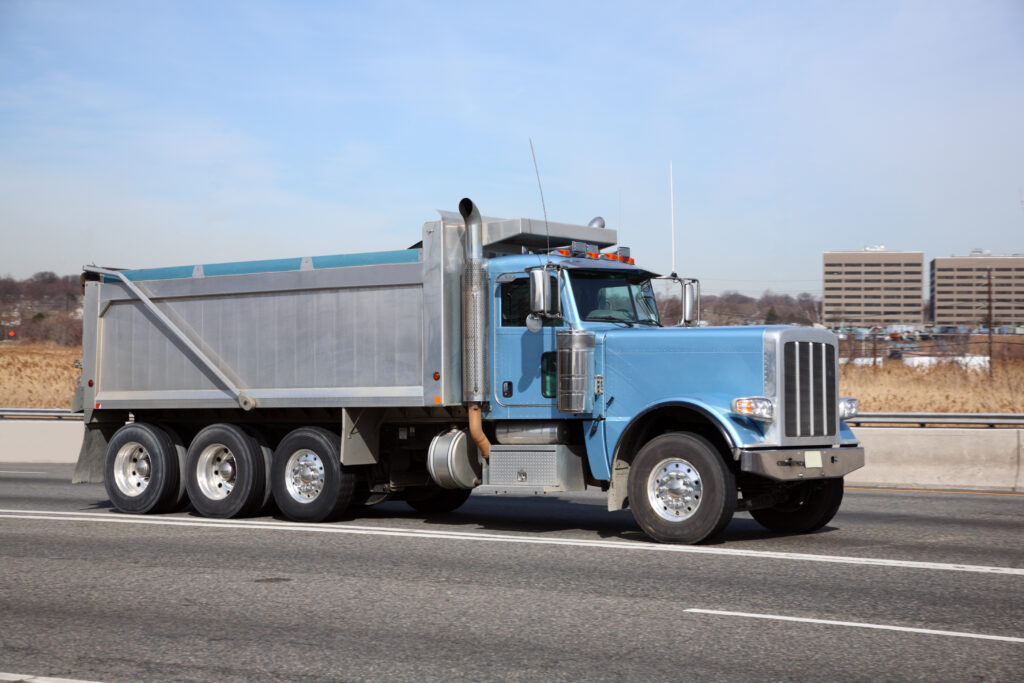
(947, 388)
(37, 375)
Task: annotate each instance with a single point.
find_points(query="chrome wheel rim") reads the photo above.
(674, 489)
(132, 469)
(304, 476)
(215, 471)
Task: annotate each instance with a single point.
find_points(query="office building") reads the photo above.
(872, 287)
(960, 290)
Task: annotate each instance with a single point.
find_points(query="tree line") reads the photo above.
(45, 307)
(733, 308)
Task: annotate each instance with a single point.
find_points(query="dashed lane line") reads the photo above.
(856, 624)
(355, 529)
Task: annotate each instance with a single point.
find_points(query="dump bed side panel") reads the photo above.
(346, 336)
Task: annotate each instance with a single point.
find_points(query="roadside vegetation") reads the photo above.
(37, 375)
(34, 375)
(893, 387)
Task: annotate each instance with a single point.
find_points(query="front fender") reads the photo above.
(735, 430)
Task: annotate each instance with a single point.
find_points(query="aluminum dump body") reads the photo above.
(320, 331)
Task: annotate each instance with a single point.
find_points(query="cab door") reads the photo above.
(524, 362)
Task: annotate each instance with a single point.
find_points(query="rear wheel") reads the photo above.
(680, 489)
(141, 473)
(309, 482)
(807, 507)
(225, 473)
(434, 500)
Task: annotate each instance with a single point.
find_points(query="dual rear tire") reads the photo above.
(308, 480)
(142, 469)
(226, 472)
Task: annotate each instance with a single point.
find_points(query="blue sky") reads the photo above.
(137, 134)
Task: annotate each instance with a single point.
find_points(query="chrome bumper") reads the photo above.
(790, 464)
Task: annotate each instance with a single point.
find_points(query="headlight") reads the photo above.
(757, 407)
(848, 408)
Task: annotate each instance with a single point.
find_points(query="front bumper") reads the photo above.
(794, 464)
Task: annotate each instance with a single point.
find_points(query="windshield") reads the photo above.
(612, 297)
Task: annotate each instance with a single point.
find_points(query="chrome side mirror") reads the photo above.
(540, 292)
(691, 301)
(544, 301)
(678, 300)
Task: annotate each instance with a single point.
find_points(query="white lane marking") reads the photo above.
(16, 472)
(883, 627)
(497, 538)
(26, 678)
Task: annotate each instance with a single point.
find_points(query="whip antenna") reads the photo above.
(672, 212)
(543, 207)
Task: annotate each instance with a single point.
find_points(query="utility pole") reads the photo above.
(990, 323)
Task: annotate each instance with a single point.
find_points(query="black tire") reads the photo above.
(309, 482)
(141, 472)
(224, 472)
(704, 498)
(808, 506)
(434, 500)
(181, 450)
(263, 443)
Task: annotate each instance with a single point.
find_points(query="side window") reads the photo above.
(515, 303)
(549, 374)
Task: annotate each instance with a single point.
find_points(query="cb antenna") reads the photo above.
(672, 213)
(543, 207)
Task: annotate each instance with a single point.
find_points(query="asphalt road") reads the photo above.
(922, 585)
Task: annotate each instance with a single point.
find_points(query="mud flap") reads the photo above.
(89, 468)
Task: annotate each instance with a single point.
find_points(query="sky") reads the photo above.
(144, 134)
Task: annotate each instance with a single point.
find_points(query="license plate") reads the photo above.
(812, 459)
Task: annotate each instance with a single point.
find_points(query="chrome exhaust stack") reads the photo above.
(475, 385)
(474, 308)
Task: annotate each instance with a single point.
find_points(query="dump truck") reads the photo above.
(496, 355)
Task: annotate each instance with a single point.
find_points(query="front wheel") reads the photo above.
(680, 489)
(807, 507)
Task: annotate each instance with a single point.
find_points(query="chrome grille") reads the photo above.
(809, 388)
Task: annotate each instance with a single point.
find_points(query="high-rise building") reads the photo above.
(960, 290)
(872, 287)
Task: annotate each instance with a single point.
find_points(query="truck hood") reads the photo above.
(715, 364)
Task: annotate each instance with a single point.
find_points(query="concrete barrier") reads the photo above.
(40, 441)
(904, 457)
(964, 459)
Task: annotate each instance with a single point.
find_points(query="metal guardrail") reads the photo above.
(926, 419)
(919, 419)
(39, 413)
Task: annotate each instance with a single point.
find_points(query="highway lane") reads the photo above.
(564, 590)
